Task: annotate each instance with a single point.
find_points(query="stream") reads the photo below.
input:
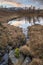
(21, 23)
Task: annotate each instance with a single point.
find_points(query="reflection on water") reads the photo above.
(24, 22)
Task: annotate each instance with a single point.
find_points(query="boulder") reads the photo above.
(26, 61)
(16, 61)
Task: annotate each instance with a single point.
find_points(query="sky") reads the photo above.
(22, 3)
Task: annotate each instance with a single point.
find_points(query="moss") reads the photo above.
(17, 53)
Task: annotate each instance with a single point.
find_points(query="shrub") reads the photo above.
(17, 53)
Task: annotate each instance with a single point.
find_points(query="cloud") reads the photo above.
(38, 1)
(21, 3)
(23, 0)
(11, 2)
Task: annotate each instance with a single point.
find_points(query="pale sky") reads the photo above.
(21, 3)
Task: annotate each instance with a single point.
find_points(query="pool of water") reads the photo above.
(25, 22)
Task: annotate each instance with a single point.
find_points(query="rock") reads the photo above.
(16, 61)
(12, 57)
(26, 61)
(5, 59)
(20, 60)
(10, 62)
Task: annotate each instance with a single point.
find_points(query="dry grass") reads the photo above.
(36, 40)
(36, 62)
(6, 15)
(11, 35)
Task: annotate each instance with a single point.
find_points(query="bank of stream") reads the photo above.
(21, 23)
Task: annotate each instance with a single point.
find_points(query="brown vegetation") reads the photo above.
(25, 50)
(6, 15)
(36, 62)
(11, 35)
(36, 40)
(34, 45)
